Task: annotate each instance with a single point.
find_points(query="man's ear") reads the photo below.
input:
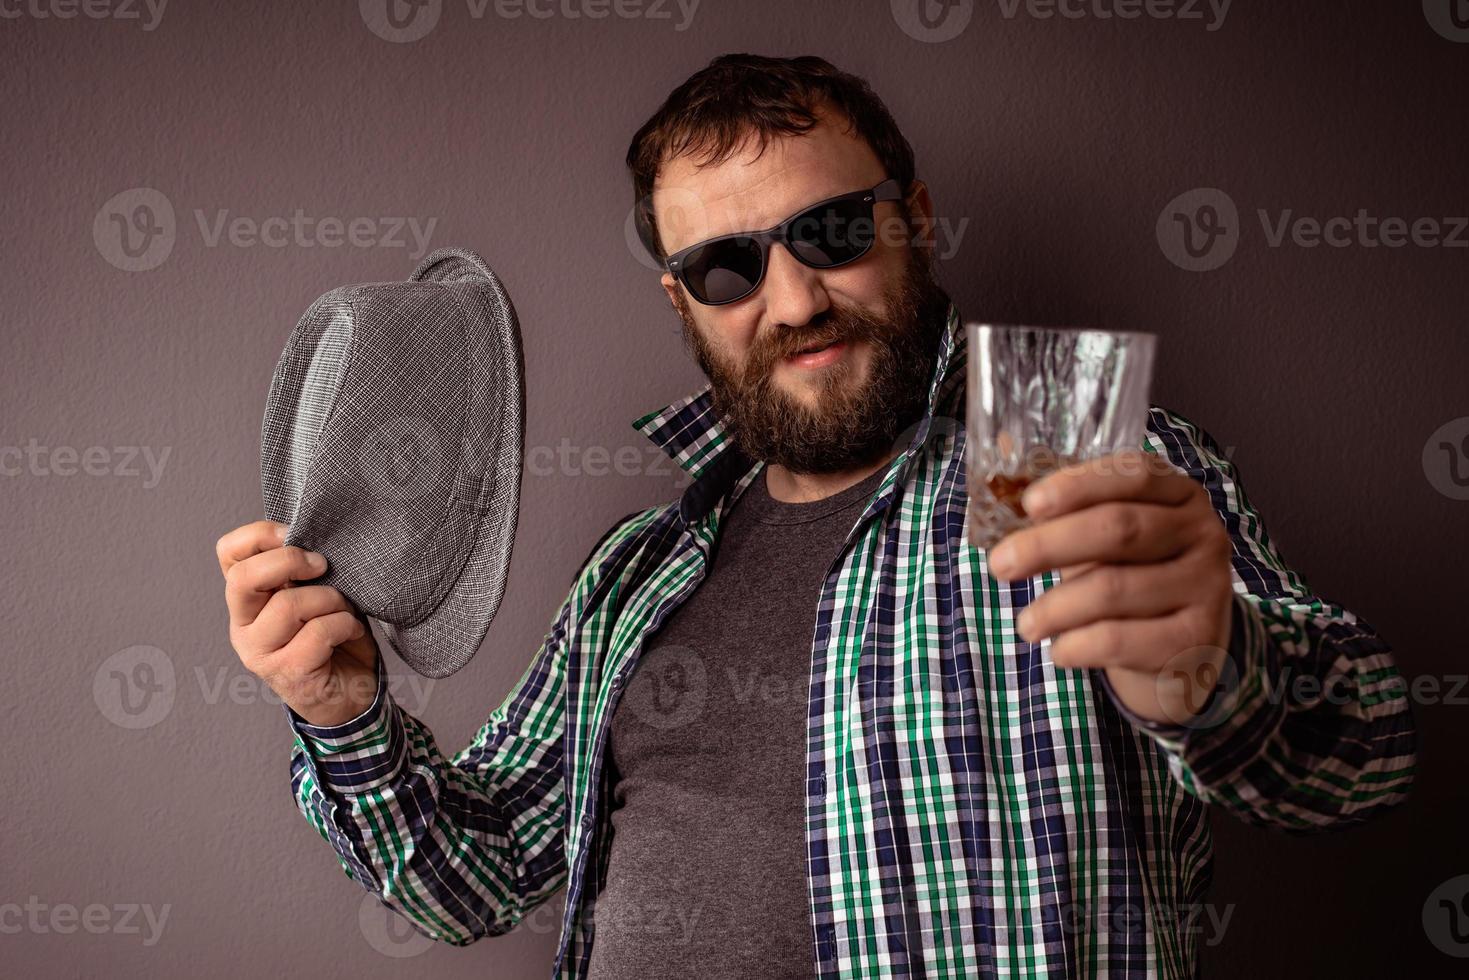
(670, 286)
(920, 215)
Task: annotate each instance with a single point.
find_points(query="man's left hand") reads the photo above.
(1145, 587)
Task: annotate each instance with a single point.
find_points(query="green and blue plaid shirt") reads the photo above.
(971, 809)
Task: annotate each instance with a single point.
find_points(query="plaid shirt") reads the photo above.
(970, 808)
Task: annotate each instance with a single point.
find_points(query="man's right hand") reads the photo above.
(305, 641)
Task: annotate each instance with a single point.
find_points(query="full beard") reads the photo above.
(848, 425)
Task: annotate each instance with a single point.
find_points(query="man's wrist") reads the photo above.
(1237, 686)
(360, 754)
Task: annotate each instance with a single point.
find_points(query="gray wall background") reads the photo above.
(1054, 143)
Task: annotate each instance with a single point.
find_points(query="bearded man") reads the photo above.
(792, 724)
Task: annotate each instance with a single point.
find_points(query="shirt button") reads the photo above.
(821, 784)
(587, 821)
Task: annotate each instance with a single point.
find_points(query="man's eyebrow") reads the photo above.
(749, 227)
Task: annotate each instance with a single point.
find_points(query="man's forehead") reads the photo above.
(753, 189)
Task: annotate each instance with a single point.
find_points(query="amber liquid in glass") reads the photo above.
(1007, 489)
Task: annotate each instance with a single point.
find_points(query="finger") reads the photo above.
(1135, 644)
(1112, 592)
(248, 540)
(1128, 475)
(1069, 572)
(249, 584)
(288, 610)
(316, 641)
(1118, 531)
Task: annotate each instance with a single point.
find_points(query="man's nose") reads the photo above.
(793, 292)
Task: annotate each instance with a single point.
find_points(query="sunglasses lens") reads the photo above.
(832, 234)
(723, 271)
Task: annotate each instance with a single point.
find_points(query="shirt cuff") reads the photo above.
(1238, 715)
(358, 755)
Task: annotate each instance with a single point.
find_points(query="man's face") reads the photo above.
(880, 315)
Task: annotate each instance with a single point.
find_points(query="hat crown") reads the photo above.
(392, 442)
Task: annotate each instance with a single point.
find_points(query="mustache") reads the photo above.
(839, 324)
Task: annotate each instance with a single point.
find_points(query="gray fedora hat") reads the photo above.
(392, 444)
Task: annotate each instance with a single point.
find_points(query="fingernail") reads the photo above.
(315, 559)
(1036, 498)
(280, 532)
(1022, 624)
(1002, 560)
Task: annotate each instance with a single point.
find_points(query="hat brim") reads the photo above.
(449, 636)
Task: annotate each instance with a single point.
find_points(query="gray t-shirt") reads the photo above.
(707, 871)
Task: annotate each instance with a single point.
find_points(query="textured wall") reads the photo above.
(132, 396)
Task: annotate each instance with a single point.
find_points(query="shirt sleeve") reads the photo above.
(462, 847)
(1308, 727)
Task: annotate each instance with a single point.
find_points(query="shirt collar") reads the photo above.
(694, 438)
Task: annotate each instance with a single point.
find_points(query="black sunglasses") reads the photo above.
(823, 236)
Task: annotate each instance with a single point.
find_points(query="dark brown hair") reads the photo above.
(739, 95)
